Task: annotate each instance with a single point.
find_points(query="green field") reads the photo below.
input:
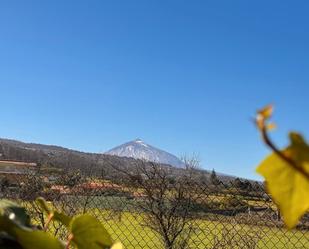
(133, 235)
(130, 231)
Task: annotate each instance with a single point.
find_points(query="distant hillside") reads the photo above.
(56, 156)
(52, 156)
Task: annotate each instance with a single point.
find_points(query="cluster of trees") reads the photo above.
(242, 186)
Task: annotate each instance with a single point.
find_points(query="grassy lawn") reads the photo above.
(130, 231)
(133, 235)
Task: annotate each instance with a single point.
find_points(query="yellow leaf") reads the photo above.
(266, 112)
(117, 245)
(288, 187)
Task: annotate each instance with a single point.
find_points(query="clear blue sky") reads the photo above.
(185, 76)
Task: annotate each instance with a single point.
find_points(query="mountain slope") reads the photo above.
(52, 156)
(138, 149)
(56, 156)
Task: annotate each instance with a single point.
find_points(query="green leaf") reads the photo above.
(29, 238)
(38, 240)
(63, 218)
(14, 212)
(58, 216)
(88, 232)
(288, 186)
(43, 205)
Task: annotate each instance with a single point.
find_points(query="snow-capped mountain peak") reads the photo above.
(140, 150)
(140, 141)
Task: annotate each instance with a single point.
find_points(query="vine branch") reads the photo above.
(261, 124)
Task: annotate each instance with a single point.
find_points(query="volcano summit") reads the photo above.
(138, 149)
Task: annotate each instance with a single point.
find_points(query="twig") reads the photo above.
(70, 238)
(50, 217)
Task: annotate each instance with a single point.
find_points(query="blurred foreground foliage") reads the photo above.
(16, 231)
(286, 171)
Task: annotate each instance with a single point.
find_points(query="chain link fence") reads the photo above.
(150, 206)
